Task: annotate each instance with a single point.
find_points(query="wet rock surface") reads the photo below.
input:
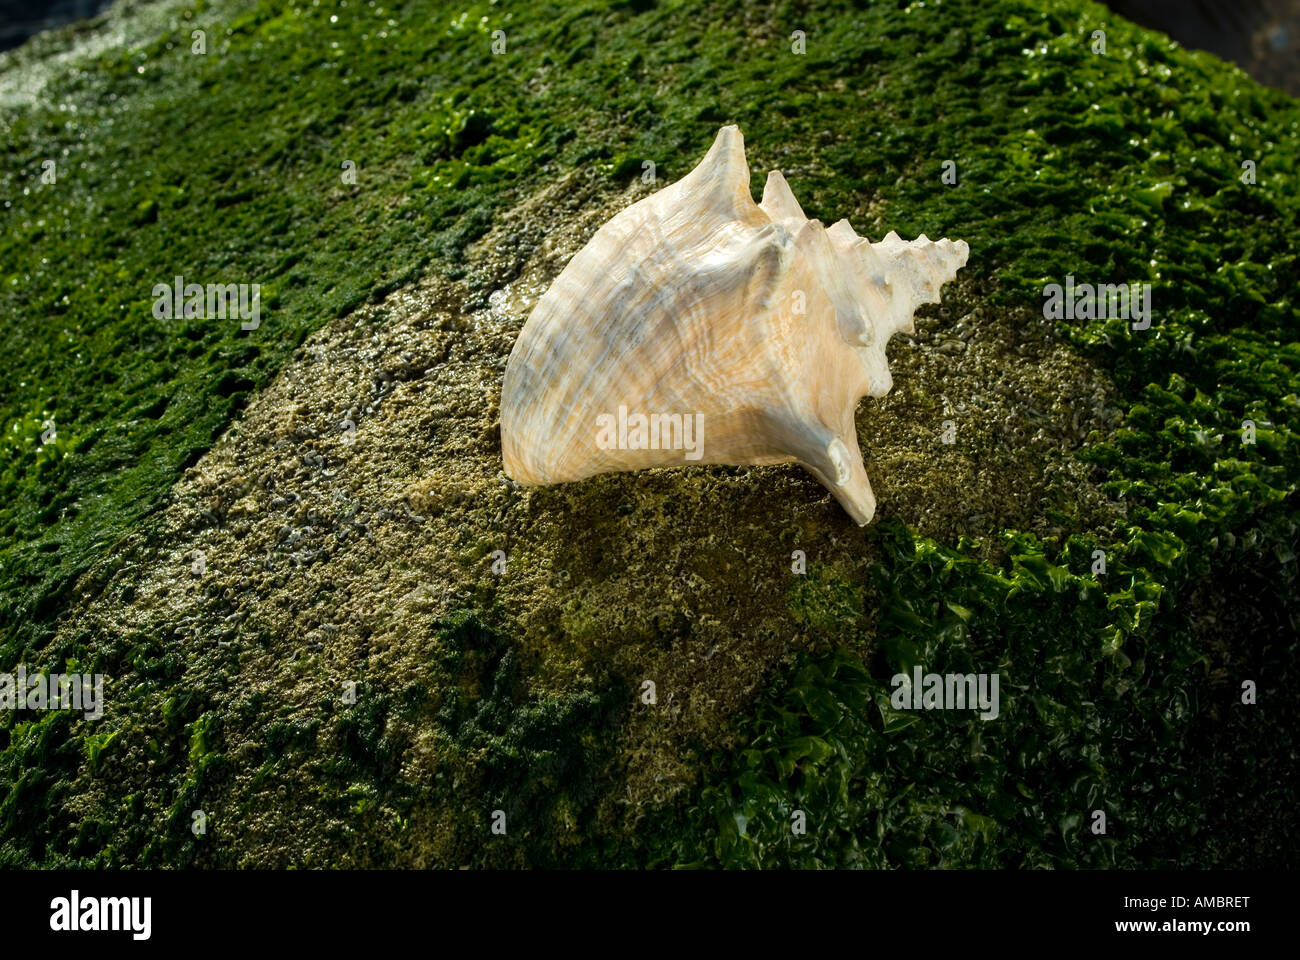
(313, 559)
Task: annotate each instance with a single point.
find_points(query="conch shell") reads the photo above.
(699, 327)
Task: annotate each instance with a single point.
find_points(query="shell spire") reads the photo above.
(700, 327)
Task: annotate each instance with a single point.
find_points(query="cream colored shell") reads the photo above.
(752, 325)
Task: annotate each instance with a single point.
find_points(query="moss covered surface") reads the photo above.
(332, 559)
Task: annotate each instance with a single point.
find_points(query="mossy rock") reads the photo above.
(328, 621)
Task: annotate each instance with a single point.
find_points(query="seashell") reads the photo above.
(700, 327)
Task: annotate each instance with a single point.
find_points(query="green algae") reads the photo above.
(1117, 167)
(1148, 731)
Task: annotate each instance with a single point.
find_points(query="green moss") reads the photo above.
(1137, 729)
(497, 745)
(1122, 688)
(827, 605)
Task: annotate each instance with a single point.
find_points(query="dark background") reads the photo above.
(1260, 36)
(19, 19)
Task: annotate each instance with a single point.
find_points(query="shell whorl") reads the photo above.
(757, 326)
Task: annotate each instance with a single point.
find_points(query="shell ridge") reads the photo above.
(746, 332)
